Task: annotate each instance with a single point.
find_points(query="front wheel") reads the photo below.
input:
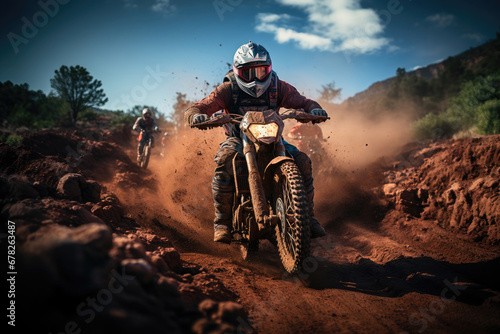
(290, 204)
(145, 158)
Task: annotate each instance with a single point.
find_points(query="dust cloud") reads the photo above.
(353, 144)
(184, 178)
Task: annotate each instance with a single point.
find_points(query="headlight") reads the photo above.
(264, 132)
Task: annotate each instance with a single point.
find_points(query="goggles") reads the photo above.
(253, 73)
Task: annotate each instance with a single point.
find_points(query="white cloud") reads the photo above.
(277, 24)
(340, 25)
(474, 37)
(441, 20)
(130, 4)
(163, 6)
(159, 6)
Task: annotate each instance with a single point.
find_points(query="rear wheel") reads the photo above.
(290, 204)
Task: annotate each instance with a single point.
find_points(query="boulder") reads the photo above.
(69, 186)
(91, 191)
(171, 257)
(21, 188)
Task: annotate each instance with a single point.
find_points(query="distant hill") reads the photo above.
(379, 88)
(427, 89)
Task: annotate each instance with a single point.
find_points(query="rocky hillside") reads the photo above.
(478, 61)
(454, 183)
(379, 88)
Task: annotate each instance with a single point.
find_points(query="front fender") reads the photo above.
(271, 167)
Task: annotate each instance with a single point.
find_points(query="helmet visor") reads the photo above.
(253, 73)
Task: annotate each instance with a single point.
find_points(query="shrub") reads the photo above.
(433, 126)
(488, 117)
(14, 140)
(119, 119)
(88, 115)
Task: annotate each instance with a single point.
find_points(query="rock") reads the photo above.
(127, 248)
(96, 236)
(139, 268)
(224, 317)
(229, 312)
(69, 186)
(491, 182)
(84, 215)
(41, 188)
(209, 308)
(407, 201)
(171, 257)
(159, 263)
(148, 237)
(476, 185)
(72, 260)
(389, 189)
(109, 209)
(205, 326)
(26, 210)
(449, 196)
(21, 188)
(408, 195)
(91, 191)
(107, 213)
(423, 194)
(474, 226)
(168, 286)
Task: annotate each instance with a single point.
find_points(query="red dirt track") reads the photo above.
(388, 265)
(413, 242)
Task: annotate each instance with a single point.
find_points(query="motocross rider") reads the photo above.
(251, 85)
(145, 124)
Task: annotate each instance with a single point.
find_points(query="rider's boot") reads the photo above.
(223, 203)
(316, 229)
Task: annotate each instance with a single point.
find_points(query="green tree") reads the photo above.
(488, 117)
(20, 106)
(75, 85)
(329, 93)
(476, 106)
(433, 126)
(400, 72)
(180, 106)
(463, 109)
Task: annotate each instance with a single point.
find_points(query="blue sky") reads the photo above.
(146, 51)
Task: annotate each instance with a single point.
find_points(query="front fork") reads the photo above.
(259, 201)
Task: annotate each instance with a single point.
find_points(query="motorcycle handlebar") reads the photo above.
(222, 119)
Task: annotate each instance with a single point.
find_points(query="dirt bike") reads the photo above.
(270, 200)
(146, 150)
(314, 149)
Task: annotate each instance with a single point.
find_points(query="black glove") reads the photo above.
(199, 118)
(319, 112)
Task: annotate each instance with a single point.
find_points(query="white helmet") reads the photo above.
(146, 111)
(252, 68)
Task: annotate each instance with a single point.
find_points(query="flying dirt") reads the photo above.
(413, 243)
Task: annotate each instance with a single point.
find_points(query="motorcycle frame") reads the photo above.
(264, 219)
